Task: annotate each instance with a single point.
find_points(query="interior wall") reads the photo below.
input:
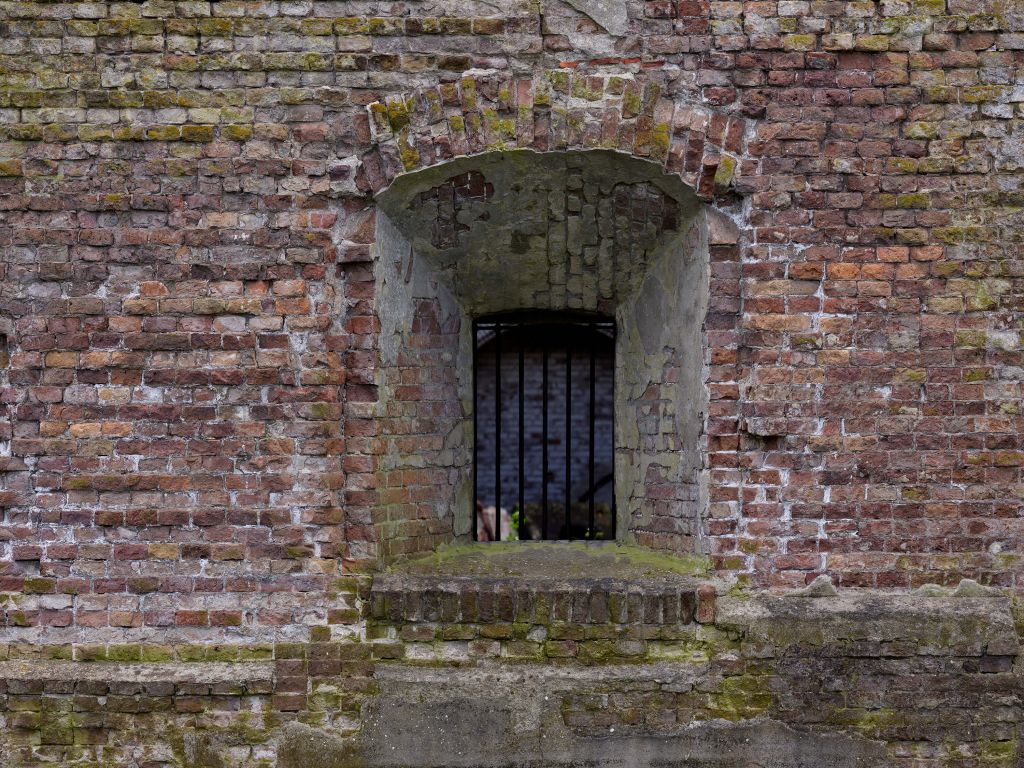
(661, 398)
(424, 398)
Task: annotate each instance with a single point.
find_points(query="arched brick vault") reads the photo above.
(556, 110)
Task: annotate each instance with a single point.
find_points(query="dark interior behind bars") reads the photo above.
(543, 428)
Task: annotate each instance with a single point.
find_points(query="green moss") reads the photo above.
(468, 94)
(398, 115)
(157, 653)
(913, 200)
(190, 652)
(555, 559)
(911, 375)
(163, 133)
(740, 697)
(38, 585)
(581, 89)
(939, 93)
(967, 338)
(320, 410)
(59, 652)
(921, 130)
(998, 751)
(506, 128)
(876, 722)
(798, 42)
(976, 374)
(559, 81)
(90, 653)
(124, 653)
(725, 172)
(409, 154)
(351, 26)
(903, 164)
(630, 104)
(977, 94)
(223, 652)
(872, 43)
(255, 653)
(202, 133)
(236, 132)
(953, 235)
(542, 95)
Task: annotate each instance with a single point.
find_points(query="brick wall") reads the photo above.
(190, 437)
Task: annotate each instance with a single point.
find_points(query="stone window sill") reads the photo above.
(543, 583)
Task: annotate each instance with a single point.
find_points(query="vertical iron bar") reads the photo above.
(613, 331)
(544, 444)
(593, 418)
(568, 440)
(497, 432)
(476, 441)
(522, 431)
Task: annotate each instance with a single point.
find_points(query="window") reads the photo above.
(543, 427)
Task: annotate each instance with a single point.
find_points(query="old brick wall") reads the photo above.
(191, 333)
(190, 437)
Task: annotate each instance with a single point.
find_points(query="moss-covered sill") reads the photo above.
(579, 582)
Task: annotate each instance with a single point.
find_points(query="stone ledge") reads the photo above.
(869, 623)
(544, 583)
(518, 599)
(239, 673)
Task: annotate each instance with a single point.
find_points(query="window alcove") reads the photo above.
(560, 238)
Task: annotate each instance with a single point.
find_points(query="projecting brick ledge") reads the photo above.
(403, 598)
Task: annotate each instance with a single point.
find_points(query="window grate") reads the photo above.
(543, 428)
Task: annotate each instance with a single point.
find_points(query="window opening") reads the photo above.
(543, 428)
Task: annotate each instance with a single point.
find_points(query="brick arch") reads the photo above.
(556, 110)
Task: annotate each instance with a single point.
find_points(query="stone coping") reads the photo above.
(567, 561)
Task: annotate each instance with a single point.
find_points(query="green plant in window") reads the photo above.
(518, 520)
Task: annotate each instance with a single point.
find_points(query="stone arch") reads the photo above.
(414, 142)
(557, 110)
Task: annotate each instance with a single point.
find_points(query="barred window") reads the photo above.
(543, 427)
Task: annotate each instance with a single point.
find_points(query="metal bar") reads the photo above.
(544, 444)
(522, 432)
(568, 440)
(497, 432)
(593, 418)
(476, 434)
(611, 371)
